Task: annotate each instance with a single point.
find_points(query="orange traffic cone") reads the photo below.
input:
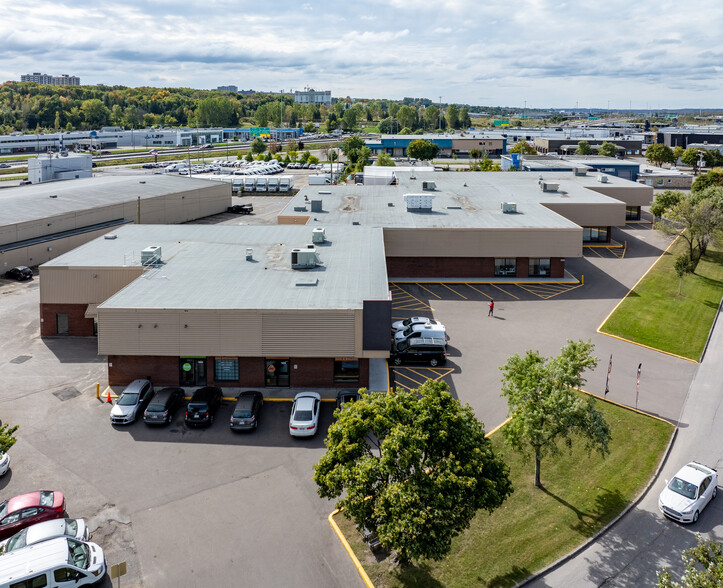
(109, 400)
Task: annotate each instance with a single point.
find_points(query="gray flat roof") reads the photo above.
(461, 200)
(543, 162)
(205, 267)
(34, 202)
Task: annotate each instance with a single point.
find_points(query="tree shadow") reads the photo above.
(607, 504)
(511, 578)
(416, 576)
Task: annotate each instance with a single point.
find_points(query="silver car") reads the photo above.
(73, 528)
(132, 402)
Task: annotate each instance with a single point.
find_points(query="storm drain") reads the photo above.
(21, 359)
(67, 393)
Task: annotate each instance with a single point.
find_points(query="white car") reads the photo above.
(4, 463)
(689, 492)
(430, 329)
(73, 528)
(132, 402)
(304, 420)
(414, 320)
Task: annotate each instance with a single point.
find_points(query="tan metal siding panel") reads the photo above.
(239, 332)
(591, 215)
(118, 332)
(159, 330)
(60, 285)
(308, 334)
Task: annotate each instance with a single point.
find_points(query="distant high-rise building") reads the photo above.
(227, 88)
(62, 80)
(309, 95)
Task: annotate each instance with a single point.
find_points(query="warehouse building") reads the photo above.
(449, 144)
(625, 169)
(237, 306)
(624, 145)
(477, 225)
(59, 166)
(41, 221)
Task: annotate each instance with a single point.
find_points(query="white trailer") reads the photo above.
(249, 184)
(286, 183)
(273, 185)
(319, 180)
(261, 183)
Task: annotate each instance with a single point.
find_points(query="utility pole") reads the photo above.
(281, 117)
(440, 113)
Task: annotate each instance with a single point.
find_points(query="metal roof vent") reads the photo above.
(549, 186)
(53, 196)
(304, 258)
(602, 178)
(318, 235)
(419, 202)
(429, 186)
(151, 255)
(110, 236)
(249, 254)
(509, 207)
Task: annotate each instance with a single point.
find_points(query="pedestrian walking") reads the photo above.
(492, 308)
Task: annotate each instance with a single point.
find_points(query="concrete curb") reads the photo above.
(580, 548)
(712, 327)
(345, 543)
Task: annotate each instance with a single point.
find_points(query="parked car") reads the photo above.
(245, 416)
(433, 329)
(241, 208)
(202, 408)
(346, 396)
(73, 528)
(689, 492)
(414, 320)
(420, 350)
(27, 509)
(131, 403)
(4, 463)
(164, 406)
(19, 273)
(304, 420)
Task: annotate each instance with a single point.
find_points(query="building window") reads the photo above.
(226, 369)
(632, 213)
(505, 266)
(595, 234)
(346, 371)
(539, 266)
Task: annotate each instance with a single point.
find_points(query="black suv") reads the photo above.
(420, 350)
(164, 405)
(246, 413)
(19, 273)
(202, 408)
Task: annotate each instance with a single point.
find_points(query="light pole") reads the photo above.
(440, 113)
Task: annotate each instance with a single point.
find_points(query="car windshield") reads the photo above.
(128, 399)
(408, 331)
(79, 554)
(17, 541)
(71, 527)
(302, 415)
(683, 488)
(402, 346)
(242, 413)
(407, 322)
(3, 509)
(155, 408)
(197, 407)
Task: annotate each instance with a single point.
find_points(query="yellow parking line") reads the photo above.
(563, 291)
(432, 293)
(480, 291)
(450, 289)
(593, 250)
(505, 291)
(415, 298)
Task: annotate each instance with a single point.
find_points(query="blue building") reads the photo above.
(449, 144)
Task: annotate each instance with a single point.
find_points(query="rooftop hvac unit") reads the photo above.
(509, 207)
(549, 186)
(318, 235)
(419, 202)
(602, 178)
(579, 171)
(429, 186)
(249, 254)
(316, 206)
(304, 258)
(151, 255)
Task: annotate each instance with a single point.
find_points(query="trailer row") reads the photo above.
(263, 184)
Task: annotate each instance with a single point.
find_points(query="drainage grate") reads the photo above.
(21, 359)
(67, 393)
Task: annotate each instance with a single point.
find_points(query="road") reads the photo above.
(644, 541)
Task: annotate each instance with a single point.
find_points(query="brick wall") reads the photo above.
(123, 369)
(522, 269)
(440, 267)
(557, 267)
(78, 325)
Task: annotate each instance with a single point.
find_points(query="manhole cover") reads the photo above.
(21, 359)
(67, 393)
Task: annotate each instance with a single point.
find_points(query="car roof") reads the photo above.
(305, 403)
(24, 501)
(165, 394)
(247, 399)
(694, 473)
(53, 528)
(205, 393)
(135, 386)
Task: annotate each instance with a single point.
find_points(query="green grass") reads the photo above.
(534, 527)
(654, 315)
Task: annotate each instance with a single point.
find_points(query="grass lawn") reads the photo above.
(653, 314)
(534, 527)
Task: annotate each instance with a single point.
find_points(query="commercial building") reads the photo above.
(311, 96)
(627, 170)
(665, 179)
(40, 222)
(271, 133)
(237, 306)
(449, 144)
(227, 88)
(478, 225)
(59, 166)
(673, 137)
(564, 146)
(62, 80)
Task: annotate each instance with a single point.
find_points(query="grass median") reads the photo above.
(534, 527)
(653, 313)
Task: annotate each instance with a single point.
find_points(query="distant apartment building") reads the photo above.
(62, 80)
(227, 89)
(311, 96)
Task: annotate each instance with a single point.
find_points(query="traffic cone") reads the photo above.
(109, 400)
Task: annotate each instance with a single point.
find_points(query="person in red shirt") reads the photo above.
(492, 308)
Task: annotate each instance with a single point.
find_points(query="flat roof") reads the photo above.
(543, 162)
(36, 201)
(467, 200)
(205, 267)
(437, 136)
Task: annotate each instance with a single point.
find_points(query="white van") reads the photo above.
(432, 329)
(53, 564)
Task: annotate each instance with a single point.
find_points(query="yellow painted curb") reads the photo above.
(648, 347)
(345, 543)
(498, 427)
(625, 406)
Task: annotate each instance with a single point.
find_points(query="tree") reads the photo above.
(583, 148)
(351, 147)
(677, 153)
(349, 120)
(7, 437)
(388, 126)
(332, 155)
(292, 145)
(665, 201)
(249, 157)
(475, 154)
(422, 149)
(659, 154)
(683, 266)
(431, 117)
(385, 160)
(274, 147)
(713, 178)
(95, 114)
(465, 121)
(407, 116)
(523, 147)
(452, 116)
(413, 467)
(692, 157)
(309, 127)
(305, 156)
(543, 407)
(293, 155)
(703, 566)
(607, 149)
(261, 116)
(257, 146)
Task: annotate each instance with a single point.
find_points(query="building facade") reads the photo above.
(61, 80)
(312, 96)
(449, 145)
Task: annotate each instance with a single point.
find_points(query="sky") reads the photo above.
(644, 54)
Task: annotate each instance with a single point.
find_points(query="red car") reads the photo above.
(28, 509)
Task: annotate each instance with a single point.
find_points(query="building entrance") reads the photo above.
(277, 372)
(192, 371)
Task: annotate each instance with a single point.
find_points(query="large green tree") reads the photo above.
(583, 148)
(452, 116)
(407, 116)
(257, 146)
(703, 567)
(607, 149)
(523, 147)
(431, 117)
(544, 409)
(422, 149)
(385, 160)
(414, 467)
(349, 120)
(712, 178)
(659, 154)
(7, 437)
(692, 157)
(95, 113)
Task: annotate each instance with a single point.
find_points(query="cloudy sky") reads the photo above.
(649, 53)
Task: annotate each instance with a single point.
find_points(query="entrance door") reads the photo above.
(277, 372)
(62, 319)
(192, 371)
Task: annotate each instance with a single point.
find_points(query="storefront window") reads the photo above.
(539, 266)
(505, 266)
(632, 213)
(346, 371)
(226, 369)
(595, 234)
